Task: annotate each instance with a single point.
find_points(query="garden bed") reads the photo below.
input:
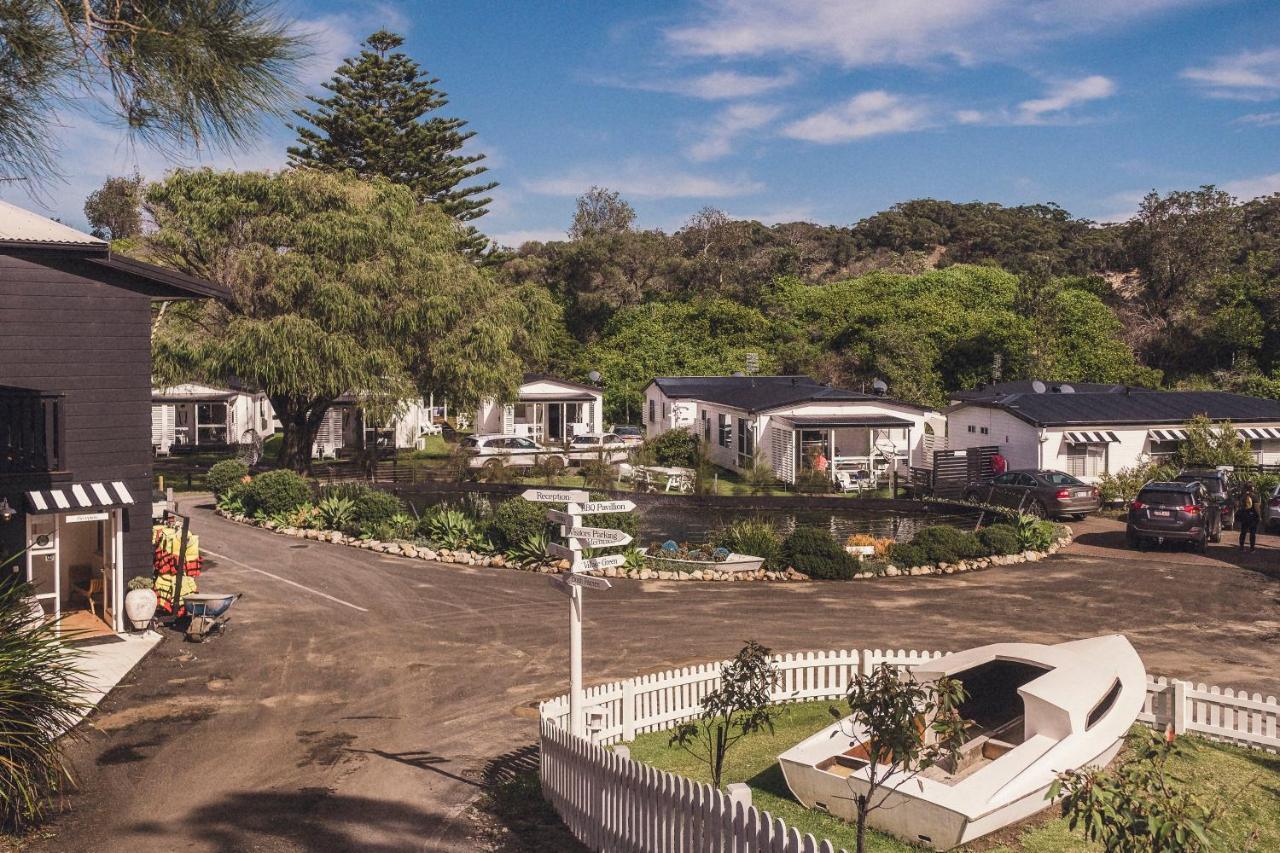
(1251, 823)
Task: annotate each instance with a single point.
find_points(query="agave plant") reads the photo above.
(452, 528)
(530, 551)
(336, 512)
(40, 686)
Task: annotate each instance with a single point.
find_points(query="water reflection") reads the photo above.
(695, 524)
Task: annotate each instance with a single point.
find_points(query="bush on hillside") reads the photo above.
(276, 492)
(999, 539)
(225, 474)
(815, 552)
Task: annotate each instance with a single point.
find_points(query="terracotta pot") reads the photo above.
(140, 607)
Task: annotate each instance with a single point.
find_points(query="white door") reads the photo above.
(43, 564)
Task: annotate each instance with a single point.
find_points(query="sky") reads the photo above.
(782, 110)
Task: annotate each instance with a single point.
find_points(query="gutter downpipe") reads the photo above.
(1040, 450)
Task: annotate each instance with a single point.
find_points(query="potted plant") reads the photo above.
(140, 602)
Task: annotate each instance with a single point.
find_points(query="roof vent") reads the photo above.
(1066, 389)
(879, 387)
(1037, 386)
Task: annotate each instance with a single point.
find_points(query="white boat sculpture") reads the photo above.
(1037, 710)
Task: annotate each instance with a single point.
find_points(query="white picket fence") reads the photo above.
(613, 803)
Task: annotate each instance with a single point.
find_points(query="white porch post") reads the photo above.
(831, 454)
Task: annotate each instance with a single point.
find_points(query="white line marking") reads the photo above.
(286, 580)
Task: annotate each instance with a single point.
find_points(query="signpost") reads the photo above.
(579, 503)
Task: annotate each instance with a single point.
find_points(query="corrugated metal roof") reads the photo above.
(18, 225)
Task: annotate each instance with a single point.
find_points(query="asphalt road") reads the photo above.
(358, 698)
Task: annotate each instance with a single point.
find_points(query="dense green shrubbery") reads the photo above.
(753, 537)
(675, 447)
(1000, 539)
(225, 474)
(372, 507)
(815, 552)
(904, 555)
(943, 544)
(275, 492)
(518, 520)
(1124, 484)
(1035, 534)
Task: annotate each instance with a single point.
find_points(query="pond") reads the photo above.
(660, 522)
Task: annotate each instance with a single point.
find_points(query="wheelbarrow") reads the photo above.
(209, 612)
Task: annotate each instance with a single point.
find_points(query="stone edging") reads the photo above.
(472, 558)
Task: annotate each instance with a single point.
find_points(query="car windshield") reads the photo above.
(469, 441)
(626, 430)
(523, 443)
(584, 439)
(1161, 497)
(1210, 481)
(1057, 478)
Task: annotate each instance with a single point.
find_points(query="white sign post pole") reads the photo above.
(577, 723)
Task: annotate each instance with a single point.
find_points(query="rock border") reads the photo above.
(400, 548)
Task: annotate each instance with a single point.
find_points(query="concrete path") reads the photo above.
(358, 698)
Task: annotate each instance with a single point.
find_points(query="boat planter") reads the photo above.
(731, 563)
(140, 607)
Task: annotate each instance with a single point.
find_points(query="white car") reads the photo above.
(587, 446)
(1269, 511)
(509, 449)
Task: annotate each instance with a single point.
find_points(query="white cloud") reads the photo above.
(330, 39)
(1064, 95)
(643, 181)
(867, 114)
(864, 32)
(1254, 187)
(519, 237)
(716, 85)
(1250, 75)
(727, 126)
(1259, 119)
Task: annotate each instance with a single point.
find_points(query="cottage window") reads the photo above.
(1163, 449)
(211, 423)
(652, 409)
(666, 410)
(746, 444)
(1086, 460)
(706, 426)
(726, 430)
(972, 428)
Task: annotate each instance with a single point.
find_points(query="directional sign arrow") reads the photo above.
(565, 552)
(595, 537)
(588, 581)
(606, 562)
(556, 496)
(560, 584)
(607, 506)
(555, 516)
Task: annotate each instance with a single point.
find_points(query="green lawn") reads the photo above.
(1252, 822)
(185, 472)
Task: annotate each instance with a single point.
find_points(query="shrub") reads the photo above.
(943, 544)
(225, 474)
(276, 492)
(370, 506)
(1124, 484)
(675, 447)
(529, 552)
(518, 520)
(336, 512)
(865, 539)
(627, 522)
(815, 552)
(598, 474)
(904, 555)
(754, 537)
(232, 500)
(447, 527)
(1000, 539)
(1034, 534)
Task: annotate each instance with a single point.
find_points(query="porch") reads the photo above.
(549, 419)
(858, 449)
(187, 424)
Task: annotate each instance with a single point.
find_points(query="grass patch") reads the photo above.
(434, 447)
(1251, 823)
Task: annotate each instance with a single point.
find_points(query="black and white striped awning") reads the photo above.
(79, 496)
(1258, 432)
(1167, 434)
(1095, 437)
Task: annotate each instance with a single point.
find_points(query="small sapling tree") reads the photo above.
(737, 708)
(1138, 806)
(904, 727)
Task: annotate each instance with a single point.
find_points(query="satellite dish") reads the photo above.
(880, 387)
(594, 376)
(1037, 386)
(1066, 389)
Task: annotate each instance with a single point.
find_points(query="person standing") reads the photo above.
(1247, 520)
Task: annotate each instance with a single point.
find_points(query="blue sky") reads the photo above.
(822, 110)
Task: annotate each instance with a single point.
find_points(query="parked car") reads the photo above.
(1269, 509)
(1045, 493)
(598, 445)
(632, 436)
(1218, 483)
(1173, 512)
(505, 449)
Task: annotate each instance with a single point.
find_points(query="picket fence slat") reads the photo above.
(611, 802)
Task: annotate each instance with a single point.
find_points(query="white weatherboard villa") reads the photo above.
(546, 409)
(1035, 711)
(787, 421)
(192, 416)
(1088, 432)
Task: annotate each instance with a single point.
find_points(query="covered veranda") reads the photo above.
(551, 417)
(868, 447)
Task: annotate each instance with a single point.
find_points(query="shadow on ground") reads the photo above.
(1265, 560)
(511, 814)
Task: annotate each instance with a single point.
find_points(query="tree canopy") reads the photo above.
(338, 286)
(114, 210)
(176, 70)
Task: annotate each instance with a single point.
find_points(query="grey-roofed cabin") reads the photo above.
(75, 410)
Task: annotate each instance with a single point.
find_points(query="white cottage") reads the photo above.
(789, 422)
(546, 409)
(346, 426)
(192, 416)
(1091, 433)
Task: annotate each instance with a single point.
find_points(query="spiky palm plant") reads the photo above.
(40, 686)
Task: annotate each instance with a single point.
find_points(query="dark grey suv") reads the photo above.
(1173, 512)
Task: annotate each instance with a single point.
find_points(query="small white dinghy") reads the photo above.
(1037, 710)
